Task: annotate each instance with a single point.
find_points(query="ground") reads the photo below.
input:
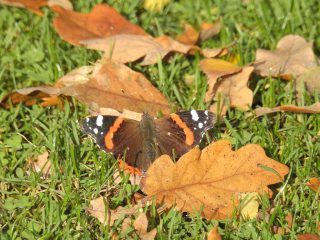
(32, 54)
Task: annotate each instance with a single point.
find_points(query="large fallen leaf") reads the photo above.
(105, 85)
(314, 108)
(35, 5)
(114, 85)
(141, 226)
(107, 216)
(102, 21)
(215, 68)
(233, 91)
(212, 179)
(293, 56)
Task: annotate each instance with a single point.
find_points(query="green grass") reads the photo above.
(32, 54)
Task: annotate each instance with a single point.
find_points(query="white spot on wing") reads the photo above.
(195, 116)
(99, 120)
(87, 120)
(95, 130)
(206, 112)
(200, 125)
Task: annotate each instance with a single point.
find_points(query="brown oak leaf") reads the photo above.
(212, 179)
(308, 236)
(286, 61)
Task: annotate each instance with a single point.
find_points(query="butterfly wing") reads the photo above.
(179, 132)
(116, 135)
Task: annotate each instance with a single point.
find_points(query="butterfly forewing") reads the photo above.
(116, 135)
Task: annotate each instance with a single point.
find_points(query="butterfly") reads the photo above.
(141, 142)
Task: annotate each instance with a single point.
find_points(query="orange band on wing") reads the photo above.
(109, 136)
(187, 131)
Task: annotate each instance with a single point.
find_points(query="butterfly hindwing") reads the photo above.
(181, 131)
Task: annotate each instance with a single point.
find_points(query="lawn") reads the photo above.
(32, 54)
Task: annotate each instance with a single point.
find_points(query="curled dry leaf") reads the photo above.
(30, 96)
(212, 178)
(233, 91)
(98, 210)
(42, 164)
(214, 69)
(213, 234)
(141, 226)
(286, 60)
(190, 36)
(314, 184)
(102, 21)
(314, 108)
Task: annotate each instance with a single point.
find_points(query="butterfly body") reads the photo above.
(141, 142)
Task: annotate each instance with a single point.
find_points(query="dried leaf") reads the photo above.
(191, 37)
(141, 226)
(98, 210)
(308, 236)
(212, 178)
(285, 61)
(314, 184)
(112, 112)
(29, 96)
(289, 220)
(213, 234)
(233, 91)
(314, 108)
(215, 68)
(35, 5)
(126, 48)
(208, 30)
(43, 164)
(122, 87)
(102, 21)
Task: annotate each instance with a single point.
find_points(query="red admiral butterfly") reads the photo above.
(142, 142)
